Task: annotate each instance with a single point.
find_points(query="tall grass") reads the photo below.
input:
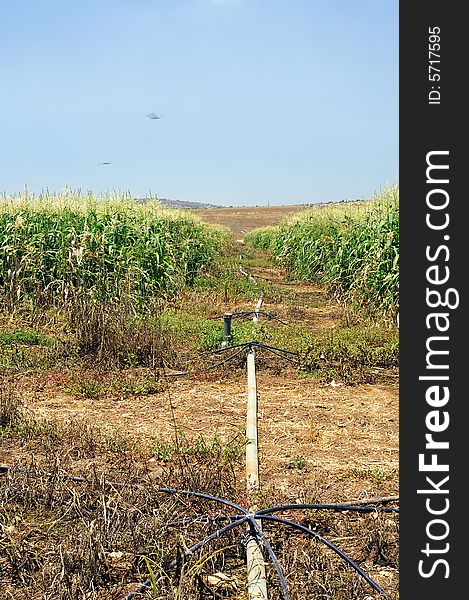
(352, 249)
(56, 246)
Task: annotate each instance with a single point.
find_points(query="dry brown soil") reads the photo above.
(324, 434)
(338, 438)
(244, 219)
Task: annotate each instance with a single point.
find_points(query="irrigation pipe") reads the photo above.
(175, 491)
(336, 507)
(201, 371)
(239, 519)
(256, 310)
(257, 581)
(252, 460)
(330, 545)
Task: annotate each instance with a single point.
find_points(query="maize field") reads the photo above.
(55, 247)
(352, 249)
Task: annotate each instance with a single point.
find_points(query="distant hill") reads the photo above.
(186, 204)
(206, 205)
(183, 203)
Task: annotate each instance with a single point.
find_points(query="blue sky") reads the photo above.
(262, 101)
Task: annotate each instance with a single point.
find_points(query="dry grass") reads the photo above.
(11, 406)
(75, 540)
(67, 539)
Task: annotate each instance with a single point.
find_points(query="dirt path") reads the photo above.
(243, 219)
(306, 431)
(320, 441)
(335, 440)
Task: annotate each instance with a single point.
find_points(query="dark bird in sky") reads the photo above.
(104, 163)
(154, 116)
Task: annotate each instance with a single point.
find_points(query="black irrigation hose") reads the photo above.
(295, 362)
(201, 371)
(176, 491)
(265, 513)
(209, 538)
(234, 355)
(242, 346)
(225, 348)
(254, 343)
(338, 507)
(238, 520)
(330, 545)
(249, 345)
(262, 516)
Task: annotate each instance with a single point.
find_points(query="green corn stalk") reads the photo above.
(55, 247)
(352, 249)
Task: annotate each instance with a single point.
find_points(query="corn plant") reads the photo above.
(352, 249)
(261, 238)
(55, 247)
